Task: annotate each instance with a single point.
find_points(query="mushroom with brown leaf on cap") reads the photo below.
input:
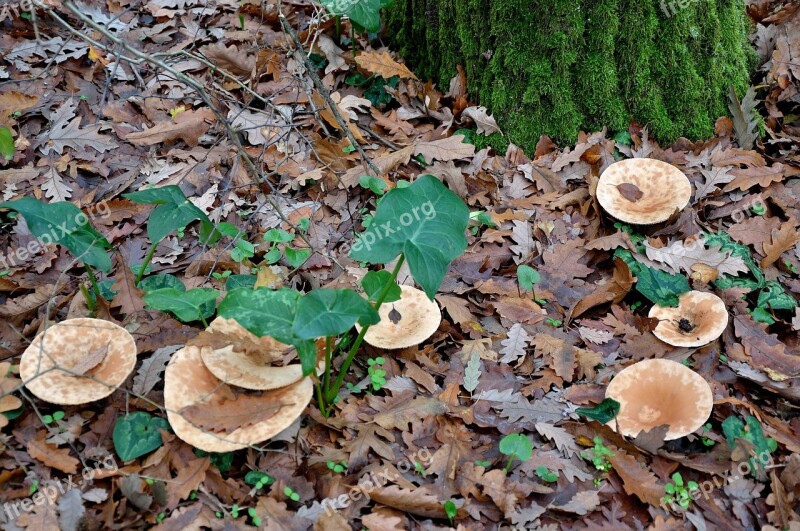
(643, 191)
(78, 361)
(406, 322)
(659, 392)
(699, 319)
(238, 357)
(212, 416)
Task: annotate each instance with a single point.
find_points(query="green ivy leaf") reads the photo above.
(240, 281)
(660, 287)
(187, 306)
(425, 222)
(297, 257)
(374, 282)
(172, 212)
(365, 13)
(156, 282)
(64, 223)
(518, 445)
(330, 312)
(266, 312)
(278, 236)
(6, 143)
(602, 412)
(546, 474)
(138, 434)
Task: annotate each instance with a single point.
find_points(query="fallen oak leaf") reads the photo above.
(51, 455)
(92, 359)
(637, 478)
(229, 415)
(783, 239)
(188, 126)
(418, 501)
(630, 191)
(381, 63)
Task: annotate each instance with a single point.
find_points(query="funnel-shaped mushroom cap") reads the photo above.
(643, 191)
(238, 357)
(189, 386)
(655, 392)
(99, 356)
(406, 322)
(699, 319)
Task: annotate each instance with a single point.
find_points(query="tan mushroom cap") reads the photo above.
(66, 344)
(664, 188)
(187, 382)
(247, 360)
(419, 319)
(655, 392)
(704, 313)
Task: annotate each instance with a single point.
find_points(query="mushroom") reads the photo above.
(643, 191)
(188, 383)
(660, 392)
(699, 319)
(78, 361)
(406, 322)
(237, 357)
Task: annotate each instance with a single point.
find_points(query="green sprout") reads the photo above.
(599, 455)
(377, 376)
(55, 417)
(258, 479)
(292, 495)
(339, 467)
(254, 516)
(705, 440)
(545, 474)
(679, 493)
(420, 469)
(516, 445)
(450, 510)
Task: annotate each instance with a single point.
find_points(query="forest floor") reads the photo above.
(418, 446)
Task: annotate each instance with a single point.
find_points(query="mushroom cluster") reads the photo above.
(643, 191)
(659, 392)
(78, 361)
(406, 322)
(223, 390)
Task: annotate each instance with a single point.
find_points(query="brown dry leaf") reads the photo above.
(753, 176)
(230, 415)
(637, 478)
(486, 124)
(385, 163)
(381, 63)
(754, 231)
(402, 409)
(444, 149)
(188, 126)
(91, 360)
(613, 291)
(129, 299)
(14, 310)
(684, 255)
(366, 440)
(230, 58)
(630, 192)
(583, 502)
(766, 350)
(51, 455)
(41, 517)
(12, 101)
(783, 239)
(191, 471)
(384, 519)
(418, 501)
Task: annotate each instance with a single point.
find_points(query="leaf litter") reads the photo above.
(506, 359)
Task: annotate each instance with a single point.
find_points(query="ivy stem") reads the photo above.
(327, 376)
(93, 282)
(508, 466)
(337, 384)
(203, 320)
(150, 253)
(321, 400)
(353, 38)
(90, 303)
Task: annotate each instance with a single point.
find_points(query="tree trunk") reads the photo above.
(557, 67)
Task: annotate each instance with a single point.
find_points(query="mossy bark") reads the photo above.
(557, 67)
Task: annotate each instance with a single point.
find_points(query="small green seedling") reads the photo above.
(420, 469)
(337, 468)
(258, 479)
(254, 516)
(555, 323)
(242, 249)
(34, 486)
(483, 463)
(705, 440)
(160, 517)
(450, 510)
(679, 493)
(221, 276)
(527, 278)
(545, 474)
(599, 455)
(295, 256)
(516, 445)
(235, 511)
(377, 376)
(375, 184)
(758, 209)
(55, 417)
(292, 495)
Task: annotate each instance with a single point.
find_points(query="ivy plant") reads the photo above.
(65, 224)
(423, 223)
(173, 211)
(6, 143)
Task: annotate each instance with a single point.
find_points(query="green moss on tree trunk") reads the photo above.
(557, 67)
